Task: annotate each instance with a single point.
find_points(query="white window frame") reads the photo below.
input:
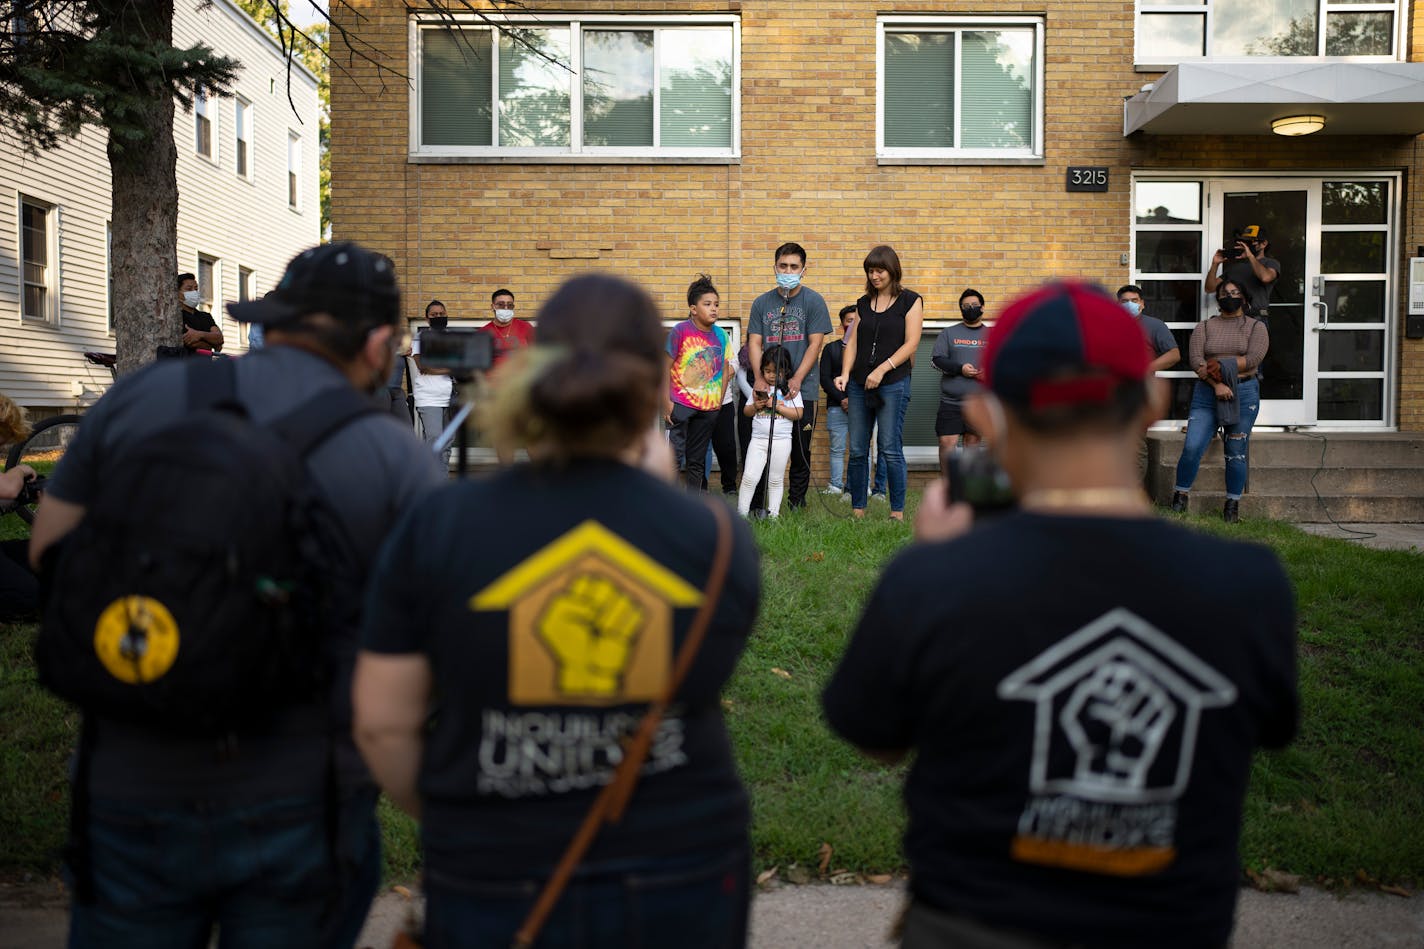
(246, 284)
(205, 110)
(294, 168)
(1155, 63)
(50, 316)
(109, 276)
(576, 151)
(967, 156)
(242, 110)
(213, 288)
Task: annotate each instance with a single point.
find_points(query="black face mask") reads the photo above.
(1230, 304)
(972, 314)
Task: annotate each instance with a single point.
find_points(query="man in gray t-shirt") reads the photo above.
(794, 316)
(1250, 269)
(221, 816)
(1165, 353)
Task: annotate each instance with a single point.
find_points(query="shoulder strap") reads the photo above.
(613, 799)
(320, 417)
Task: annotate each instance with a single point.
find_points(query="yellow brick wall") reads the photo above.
(808, 172)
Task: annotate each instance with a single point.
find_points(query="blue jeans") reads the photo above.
(887, 419)
(164, 876)
(1201, 426)
(693, 901)
(837, 425)
(881, 474)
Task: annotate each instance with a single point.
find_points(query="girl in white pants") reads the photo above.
(784, 411)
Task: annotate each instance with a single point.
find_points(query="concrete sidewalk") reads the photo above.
(1378, 536)
(860, 917)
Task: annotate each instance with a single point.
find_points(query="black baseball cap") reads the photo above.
(344, 279)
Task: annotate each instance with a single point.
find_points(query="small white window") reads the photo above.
(246, 285)
(207, 281)
(957, 88)
(39, 259)
(202, 124)
(242, 135)
(294, 170)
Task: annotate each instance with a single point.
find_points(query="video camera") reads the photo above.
(460, 352)
(976, 479)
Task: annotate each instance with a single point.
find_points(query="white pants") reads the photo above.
(775, 479)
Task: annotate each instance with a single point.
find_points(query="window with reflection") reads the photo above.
(634, 88)
(1169, 32)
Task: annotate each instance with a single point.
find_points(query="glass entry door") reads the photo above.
(1288, 214)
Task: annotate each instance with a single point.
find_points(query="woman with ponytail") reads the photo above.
(499, 679)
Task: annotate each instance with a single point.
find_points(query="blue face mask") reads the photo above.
(1132, 306)
(788, 281)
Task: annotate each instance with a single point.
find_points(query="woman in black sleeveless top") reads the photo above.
(875, 375)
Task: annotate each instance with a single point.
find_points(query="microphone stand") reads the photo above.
(458, 431)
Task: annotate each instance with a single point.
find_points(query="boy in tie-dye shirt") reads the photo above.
(697, 379)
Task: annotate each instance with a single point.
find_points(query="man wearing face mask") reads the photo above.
(956, 355)
(1250, 269)
(794, 316)
(509, 334)
(1164, 349)
(433, 389)
(288, 797)
(200, 330)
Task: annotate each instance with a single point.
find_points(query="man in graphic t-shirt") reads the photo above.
(1081, 753)
(795, 316)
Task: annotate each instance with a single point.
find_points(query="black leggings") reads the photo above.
(19, 587)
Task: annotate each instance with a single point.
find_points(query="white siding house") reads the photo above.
(247, 202)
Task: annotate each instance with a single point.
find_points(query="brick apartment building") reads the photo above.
(660, 138)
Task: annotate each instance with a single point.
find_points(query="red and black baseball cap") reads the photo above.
(344, 279)
(1067, 343)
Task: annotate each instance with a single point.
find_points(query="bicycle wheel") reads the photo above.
(41, 451)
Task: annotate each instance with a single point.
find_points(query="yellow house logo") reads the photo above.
(590, 621)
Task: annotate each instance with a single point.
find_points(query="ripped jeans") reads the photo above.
(1201, 426)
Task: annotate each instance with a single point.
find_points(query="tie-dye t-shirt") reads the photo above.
(699, 362)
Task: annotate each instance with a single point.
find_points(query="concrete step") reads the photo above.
(1340, 449)
(1372, 509)
(1365, 477)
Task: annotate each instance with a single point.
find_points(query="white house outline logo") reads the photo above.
(1133, 680)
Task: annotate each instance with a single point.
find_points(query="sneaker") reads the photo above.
(845, 496)
(833, 490)
(879, 496)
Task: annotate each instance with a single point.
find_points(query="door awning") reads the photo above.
(1243, 98)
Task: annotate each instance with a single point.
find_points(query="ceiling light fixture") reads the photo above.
(1298, 124)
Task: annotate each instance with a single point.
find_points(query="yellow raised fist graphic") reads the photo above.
(590, 627)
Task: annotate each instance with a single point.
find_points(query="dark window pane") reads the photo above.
(1352, 351)
(919, 90)
(1284, 366)
(924, 394)
(1351, 400)
(1352, 252)
(34, 301)
(1354, 202)
(1168, 202)
(1169, 252)
(1359, 34)
(1358, 301)
(1183, 336)
(1181, 404)
(1172, 301)
(455, 88)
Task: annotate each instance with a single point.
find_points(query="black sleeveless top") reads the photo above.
(878, 335)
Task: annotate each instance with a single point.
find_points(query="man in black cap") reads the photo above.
(1248, 267)
(1082, 752)
(184, 834)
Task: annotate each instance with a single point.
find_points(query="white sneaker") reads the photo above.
(878, 496)
(832, 490)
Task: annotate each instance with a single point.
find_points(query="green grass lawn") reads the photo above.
(1344, 800)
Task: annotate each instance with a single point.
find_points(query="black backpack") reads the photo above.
(200, 621)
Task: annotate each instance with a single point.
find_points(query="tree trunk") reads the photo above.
(144, 215)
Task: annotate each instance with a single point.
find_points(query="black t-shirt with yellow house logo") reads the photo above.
(551, 604)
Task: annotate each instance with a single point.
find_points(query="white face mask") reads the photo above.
(192, 298)
(503, 316)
